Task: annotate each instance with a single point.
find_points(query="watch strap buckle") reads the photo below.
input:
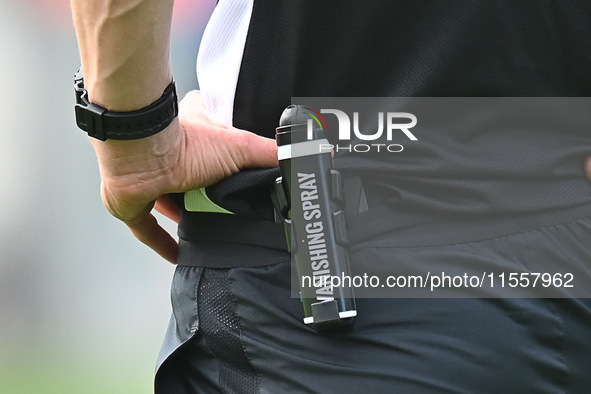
(90, 119)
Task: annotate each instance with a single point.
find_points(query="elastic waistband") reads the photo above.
(385, 226)
(225, 241)
(220, 240)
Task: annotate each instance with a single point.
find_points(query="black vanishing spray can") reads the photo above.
(309, 201)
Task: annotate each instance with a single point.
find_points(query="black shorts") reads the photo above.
(238, 330)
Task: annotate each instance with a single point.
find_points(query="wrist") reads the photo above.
(125, 92)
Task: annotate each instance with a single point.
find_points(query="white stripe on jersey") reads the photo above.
(220, 56)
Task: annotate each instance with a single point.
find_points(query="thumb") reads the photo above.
(256, 151)
(588, 167)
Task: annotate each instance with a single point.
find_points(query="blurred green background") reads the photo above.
(83, 305)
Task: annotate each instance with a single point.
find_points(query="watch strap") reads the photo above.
(103, 124)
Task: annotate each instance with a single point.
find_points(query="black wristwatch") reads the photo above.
(102, 124)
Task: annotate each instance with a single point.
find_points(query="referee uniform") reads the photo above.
(505, 198)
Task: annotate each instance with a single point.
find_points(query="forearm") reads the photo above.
(125, 53)
(124, 49)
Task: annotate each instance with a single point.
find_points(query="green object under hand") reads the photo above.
(198, 201)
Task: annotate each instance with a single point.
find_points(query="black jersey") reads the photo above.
(234, 328)
(432, 48)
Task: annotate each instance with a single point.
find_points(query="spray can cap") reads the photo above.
(292, 115)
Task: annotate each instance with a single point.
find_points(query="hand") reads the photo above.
(588, 167)
(193, 152)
